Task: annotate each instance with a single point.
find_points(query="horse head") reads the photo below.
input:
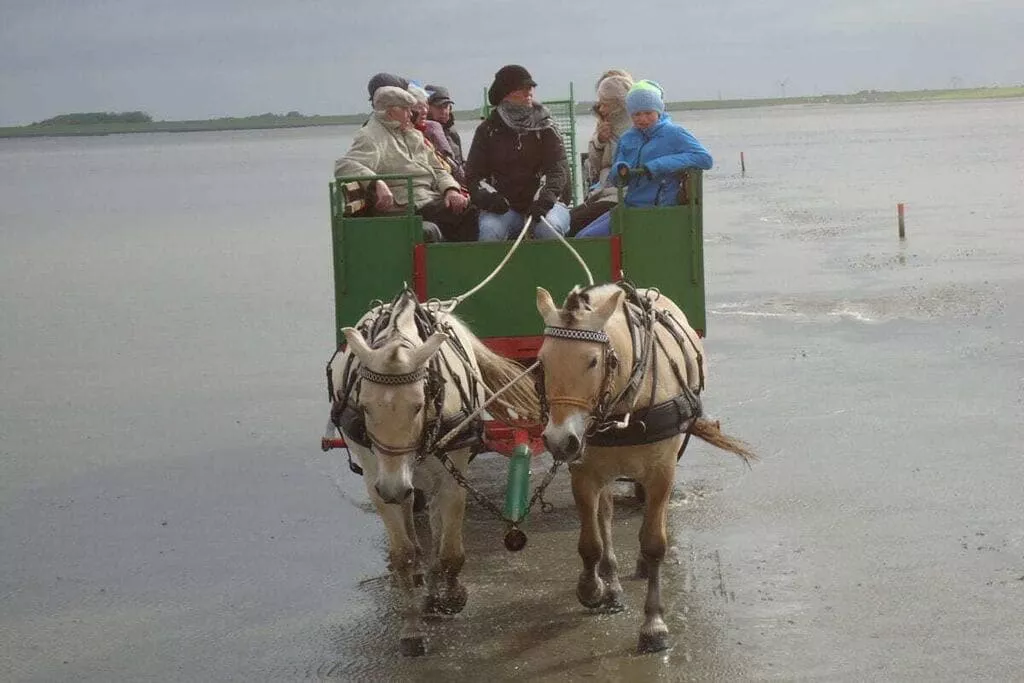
(579, 362)
(392, 397)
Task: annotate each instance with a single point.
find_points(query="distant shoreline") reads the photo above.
(271, 121)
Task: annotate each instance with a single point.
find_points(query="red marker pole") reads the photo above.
(899, 220)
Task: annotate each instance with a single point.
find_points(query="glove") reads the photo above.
(499, 204)
(623, 173)
(490, 200)
(540, 207)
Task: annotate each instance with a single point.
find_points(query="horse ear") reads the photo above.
(357, 344)
(419, 356)
(545, 304)
(607, 308)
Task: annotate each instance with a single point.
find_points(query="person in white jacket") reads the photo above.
(390, 145)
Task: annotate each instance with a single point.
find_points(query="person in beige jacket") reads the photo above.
(612, 122)
(389, 144)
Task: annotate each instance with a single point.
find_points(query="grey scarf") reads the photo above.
(523, 119)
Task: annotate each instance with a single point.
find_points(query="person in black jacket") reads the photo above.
(516, 166)
(440, 105)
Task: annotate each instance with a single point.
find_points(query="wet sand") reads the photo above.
(165, 315)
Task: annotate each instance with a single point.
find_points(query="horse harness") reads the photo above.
(646, 425)
(347, 416)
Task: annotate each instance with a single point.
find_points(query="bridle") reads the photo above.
(392, 380)
(598, 407)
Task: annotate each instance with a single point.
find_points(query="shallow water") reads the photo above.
(165, 315)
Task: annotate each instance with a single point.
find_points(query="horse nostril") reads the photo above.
(408, 492)
(572, 444)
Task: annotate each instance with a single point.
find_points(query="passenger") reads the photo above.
(513, 149)
(388, 144)
(382, 79)
(434, 133)
(658, 148)
(441, 107)
(612, 121)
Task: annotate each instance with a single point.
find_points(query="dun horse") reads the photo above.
(622, 372)
(408, 376)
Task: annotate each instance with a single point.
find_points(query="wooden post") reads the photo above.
(743, 164)
(899, 220)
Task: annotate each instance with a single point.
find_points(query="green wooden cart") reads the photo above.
(376, 257)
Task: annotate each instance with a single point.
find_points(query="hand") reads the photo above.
(499, 204)
(455, 200)
(624, 173)
(604, 131)
(385, 199)
(540, 207)
(491, 201)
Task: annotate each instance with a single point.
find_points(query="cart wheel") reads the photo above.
(638, 492)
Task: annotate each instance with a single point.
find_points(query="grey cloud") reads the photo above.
(193, 58)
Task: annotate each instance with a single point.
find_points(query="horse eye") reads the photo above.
(593, 364)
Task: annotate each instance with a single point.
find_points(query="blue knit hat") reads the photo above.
(645, 96)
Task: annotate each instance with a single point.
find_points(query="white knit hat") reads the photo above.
(419, 93)
(614, 88)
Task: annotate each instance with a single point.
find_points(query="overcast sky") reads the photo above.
(204, 58)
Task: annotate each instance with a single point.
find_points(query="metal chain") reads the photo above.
(538, 493)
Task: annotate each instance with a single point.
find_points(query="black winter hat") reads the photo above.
(382, 79)
(508, 79)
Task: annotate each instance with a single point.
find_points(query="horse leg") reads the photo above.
(586, 491)
(445, 593)
(409, 514)
(608, 566)
(403, 556)
(402, 559)
(653, 541)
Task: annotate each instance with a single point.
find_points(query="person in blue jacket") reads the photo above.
(650, 156)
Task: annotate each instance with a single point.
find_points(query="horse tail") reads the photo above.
(520, 403)
(711, 432)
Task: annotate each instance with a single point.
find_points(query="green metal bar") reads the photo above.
(338, 245)
(517, 489)
(572, 142)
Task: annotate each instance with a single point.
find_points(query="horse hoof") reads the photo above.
(412, 646)
(591, 596)
(454, 600)
(613, 604)
(652, 642)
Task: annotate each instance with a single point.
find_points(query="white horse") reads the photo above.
(407, 376)
(622, 379)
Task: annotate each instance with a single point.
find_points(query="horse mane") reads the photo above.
(520, 403)
(584, 300)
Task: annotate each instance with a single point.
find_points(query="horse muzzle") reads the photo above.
(393, 494)
(564, 450)
(566, 440)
